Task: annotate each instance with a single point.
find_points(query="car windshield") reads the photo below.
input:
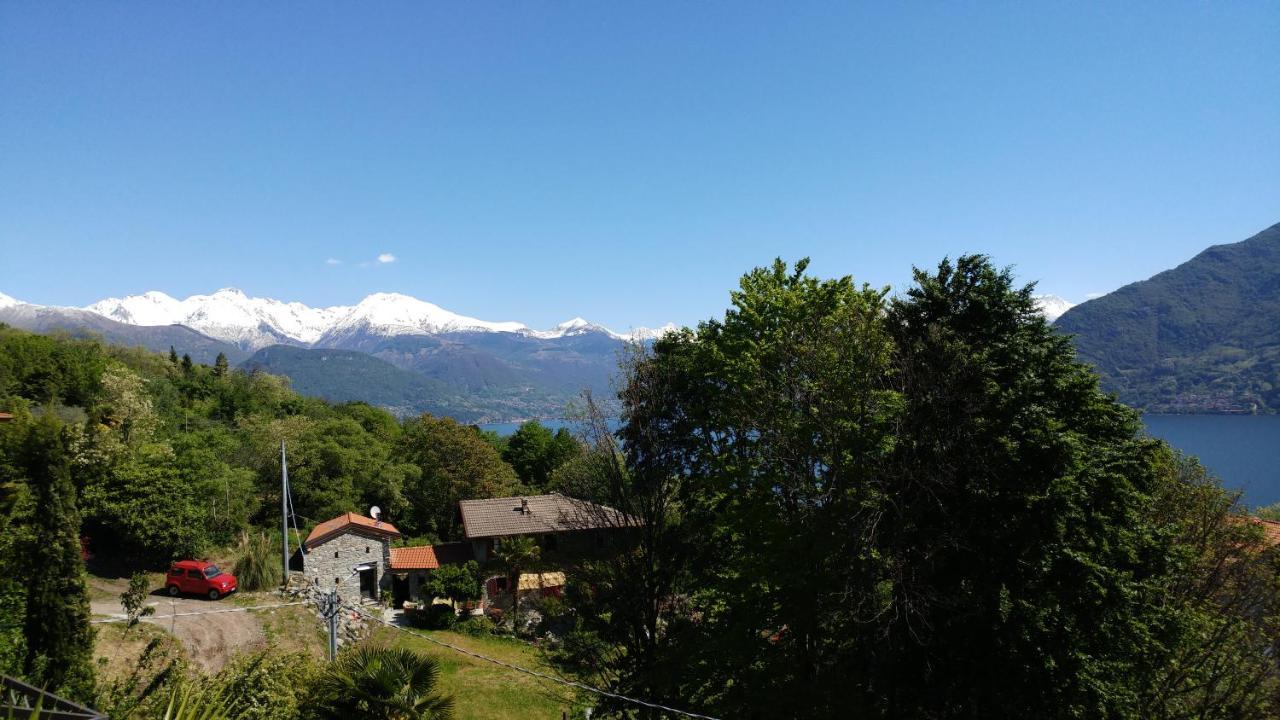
(211, 571)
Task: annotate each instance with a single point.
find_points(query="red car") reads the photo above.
(199, 578)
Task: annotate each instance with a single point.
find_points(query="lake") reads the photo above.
(1242, 450)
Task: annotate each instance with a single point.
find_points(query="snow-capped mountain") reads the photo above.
(227, 315)
(644, 333)
(253, 323)
(1052, 306)
(6, 301)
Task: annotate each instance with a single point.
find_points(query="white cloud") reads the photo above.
(333, 261)
(385, 258)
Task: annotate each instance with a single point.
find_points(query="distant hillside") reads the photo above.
(344, 375)
(1202, 337)
(157, 338)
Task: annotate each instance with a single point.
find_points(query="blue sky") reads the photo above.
(624, 162)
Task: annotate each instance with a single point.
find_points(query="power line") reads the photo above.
(201, 612)
(535, 673)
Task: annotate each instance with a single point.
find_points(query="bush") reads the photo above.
(434, 617)
(477, 626)
(258, 564)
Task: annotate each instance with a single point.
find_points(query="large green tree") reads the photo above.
(535, 452)
(59, 639)
(1022, 558)
(921, 507)
(455, 463)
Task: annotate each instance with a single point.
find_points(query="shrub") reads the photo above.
(257, 566)
(477, 626)
(434, 617)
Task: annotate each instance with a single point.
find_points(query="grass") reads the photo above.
(116, 651)
(482, 690)
(295, 629)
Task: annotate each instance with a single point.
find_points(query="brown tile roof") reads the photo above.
(500, 517)
(430, 557)
(5, 417)
(349, 521)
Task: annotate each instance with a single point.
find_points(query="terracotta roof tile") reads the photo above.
(430, 557)
(329, 528)
(500, 517)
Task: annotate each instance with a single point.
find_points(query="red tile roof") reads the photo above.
(430, 557)
(349, 521)
(5, 417)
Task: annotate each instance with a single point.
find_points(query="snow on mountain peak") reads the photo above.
(1052, 306)
(252, 323)
(644, 333)
(6, 301)
(396, 314)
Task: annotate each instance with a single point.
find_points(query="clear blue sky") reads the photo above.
(624, 162)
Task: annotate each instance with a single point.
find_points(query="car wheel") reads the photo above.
(173, 591)
(214, 595)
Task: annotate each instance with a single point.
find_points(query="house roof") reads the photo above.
(430, 557)
(534, 515)
(346, 522)
(5, 417)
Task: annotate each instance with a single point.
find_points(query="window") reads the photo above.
(335, 553)
(194, 574)
(366, 549)
(176, 572)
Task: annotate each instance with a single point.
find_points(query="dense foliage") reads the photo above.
(1202, 337)
(133, 459)
(921, 507)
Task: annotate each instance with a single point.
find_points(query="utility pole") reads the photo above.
(284, 514)
(329, 607)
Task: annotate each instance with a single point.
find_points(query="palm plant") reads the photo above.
(384, 683)
(518, 554)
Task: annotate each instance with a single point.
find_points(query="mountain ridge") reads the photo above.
(253, 323)
(1203, 336)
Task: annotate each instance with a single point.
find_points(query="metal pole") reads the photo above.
(333, 625)
(284, 514)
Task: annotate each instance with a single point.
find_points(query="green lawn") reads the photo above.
(483, 690)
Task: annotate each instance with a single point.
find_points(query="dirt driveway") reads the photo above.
(209, 639)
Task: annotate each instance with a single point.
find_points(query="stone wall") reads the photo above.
(334, 559)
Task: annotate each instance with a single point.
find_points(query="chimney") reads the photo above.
(524, 507)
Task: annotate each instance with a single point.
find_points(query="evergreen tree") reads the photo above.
(59, 637)
(173, 356)
(187, 365)
(535, 452)
(220, 365)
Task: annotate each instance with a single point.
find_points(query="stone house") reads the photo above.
(352, 553)
(351, 546)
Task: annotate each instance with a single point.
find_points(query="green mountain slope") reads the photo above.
(1202, 337)
(344, 375)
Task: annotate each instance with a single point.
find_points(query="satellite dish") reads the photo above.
(374, 512)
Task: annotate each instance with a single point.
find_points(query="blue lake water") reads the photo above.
(1242, 450)
(552, 423)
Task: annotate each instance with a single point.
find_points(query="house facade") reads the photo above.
(353, 553)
